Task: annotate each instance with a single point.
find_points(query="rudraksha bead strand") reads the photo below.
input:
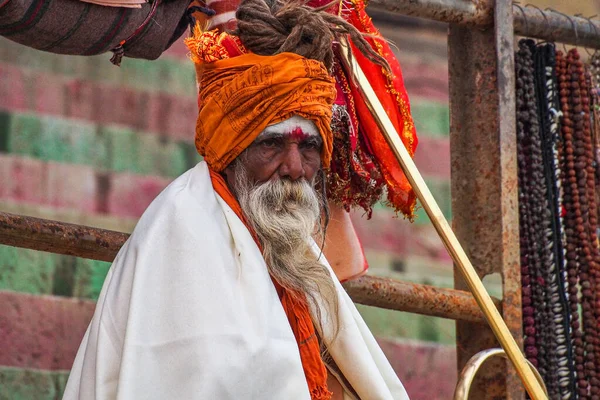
(595, 96)
(529, 327)
(571, 208)
(593, 81)
(566, 367)
(575, 224)
(592, 222)
(587, 256)
(536, 222)
(541, 233)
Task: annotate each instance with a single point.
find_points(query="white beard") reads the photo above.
(285, 215)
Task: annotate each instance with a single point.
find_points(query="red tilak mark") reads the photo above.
(298, 134)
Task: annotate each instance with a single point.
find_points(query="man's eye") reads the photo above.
(270, 143)
(311, 145)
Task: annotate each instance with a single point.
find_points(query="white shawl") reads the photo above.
(188, 311)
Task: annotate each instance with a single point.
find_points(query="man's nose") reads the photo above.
(291, 166)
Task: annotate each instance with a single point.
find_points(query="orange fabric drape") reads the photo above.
(295, 307)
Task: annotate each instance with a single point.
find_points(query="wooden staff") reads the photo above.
(443, 229)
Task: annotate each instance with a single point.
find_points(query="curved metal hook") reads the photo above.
(543, 16)
(468, 373)
(572, 26)
(592, 25)
(589, 19)
(516, 3)
(540, 10)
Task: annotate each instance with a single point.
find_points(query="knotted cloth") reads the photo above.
(241, 94)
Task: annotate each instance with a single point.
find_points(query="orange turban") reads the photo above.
(240, 96)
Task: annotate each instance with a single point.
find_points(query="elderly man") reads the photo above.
(221, 291)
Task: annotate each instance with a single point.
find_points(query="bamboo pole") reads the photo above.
(443, 229)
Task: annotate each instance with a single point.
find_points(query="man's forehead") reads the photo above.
(294, 125)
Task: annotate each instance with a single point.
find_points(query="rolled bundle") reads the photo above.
(79, 28)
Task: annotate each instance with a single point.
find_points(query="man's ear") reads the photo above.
(228, 172)
(229, 175)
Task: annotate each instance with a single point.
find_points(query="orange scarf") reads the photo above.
(295, 307)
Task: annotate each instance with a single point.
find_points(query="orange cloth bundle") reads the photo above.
(240, 95)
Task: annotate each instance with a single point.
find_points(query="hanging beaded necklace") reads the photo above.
(594, 69)
(561, 378)
(537, 256)
(572, 209)
(529, 328)
(586, 220)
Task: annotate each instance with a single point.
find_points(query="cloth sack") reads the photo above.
(77, 28)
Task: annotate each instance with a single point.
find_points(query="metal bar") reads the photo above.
(475, 185)
(528, 21)
(556, 27)
(100, 244)
(415, 298)
(460, 12)
(484, 181)
(456, 251)
(510, 266)
(59, 237)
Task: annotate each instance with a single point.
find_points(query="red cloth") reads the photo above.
(394, 99)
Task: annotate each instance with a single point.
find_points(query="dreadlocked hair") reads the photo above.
(269, 27)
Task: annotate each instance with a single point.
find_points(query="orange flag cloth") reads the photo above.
(241, 94)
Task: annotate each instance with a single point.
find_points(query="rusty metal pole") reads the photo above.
(101, 244)
(528, 20)
(60, 237)
(416, 298)
(484, 181)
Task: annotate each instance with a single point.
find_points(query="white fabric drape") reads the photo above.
(188, 311)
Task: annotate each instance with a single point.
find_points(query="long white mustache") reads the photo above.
(283, 209)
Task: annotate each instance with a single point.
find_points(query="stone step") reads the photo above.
(120, 148)
(104, 101)
(23, 89)
(169, 75)
(31, 384)
(77, 187)
(41, 273)
(104, 147)
(41, 332)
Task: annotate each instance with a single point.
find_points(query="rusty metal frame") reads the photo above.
(484, 182)
(529, 21)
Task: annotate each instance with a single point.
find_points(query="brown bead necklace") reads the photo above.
(572, 206)
(594, 70)
(528, 279)
(587, 222)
